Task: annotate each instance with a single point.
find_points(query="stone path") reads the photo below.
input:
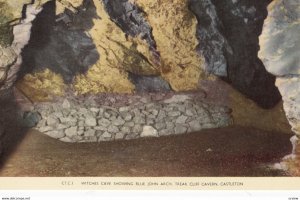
(73, 121)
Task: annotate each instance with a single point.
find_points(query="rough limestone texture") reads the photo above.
(103, 43)
(14, 39)
(228, 39)
(73, 121)
(279, 50)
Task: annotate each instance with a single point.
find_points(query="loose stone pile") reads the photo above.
(83, 123)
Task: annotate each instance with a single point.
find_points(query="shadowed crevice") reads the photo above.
(61, 43)
(131, 19)
(228, 34)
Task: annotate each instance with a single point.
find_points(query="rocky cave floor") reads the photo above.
(231, 151)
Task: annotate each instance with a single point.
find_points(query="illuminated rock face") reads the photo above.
(280, 46)
(99, 45)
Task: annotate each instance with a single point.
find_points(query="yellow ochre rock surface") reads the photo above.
(174, 30)
(42, 86)
(118, 55)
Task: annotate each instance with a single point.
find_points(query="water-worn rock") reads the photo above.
(72, 131)
(106, 135)
(127, 116)
(161, 115)
(174, 113)
(129, 124)
(104, 122)
(139, 119)
(149, 131)
(62, 126)
(118, 122)
(46, 129)
(90, 121)
(181, 119)
(90, 133)
(95, 110)
(125, 130)
(51, 121)
(100, 128)
(137, 129)
(56, 134)
(150, 119)
(113, 129)
(160, 126)
(120, 136)
(66, 139)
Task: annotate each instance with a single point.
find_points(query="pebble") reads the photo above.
(90, 133)
(100, 128)
(106, 135)
(52, 121)
(127, 117)
(104, 122)
(181, 119)
(125, 130)
(66, 139)
(62, 126)
(113, 129)
(149, 131)
(174, 113)
(46, 129)
(160, 126)
(119, 122)
(90, 121)
(120, 136)
(56, 134)
(72, 131)
(137, 129)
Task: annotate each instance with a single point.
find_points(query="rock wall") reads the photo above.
(228, 38)
(178, 42)
(280, 46)
(74, 121)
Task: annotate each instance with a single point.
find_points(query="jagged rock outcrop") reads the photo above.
(228, 38)
(213, 43)
(280, 47)
(94, 45)
(13, 39)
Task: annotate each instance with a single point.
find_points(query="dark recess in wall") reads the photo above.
(240, 24)
(246, 71)
(60, 42)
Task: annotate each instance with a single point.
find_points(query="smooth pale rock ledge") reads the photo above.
(79, 122)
